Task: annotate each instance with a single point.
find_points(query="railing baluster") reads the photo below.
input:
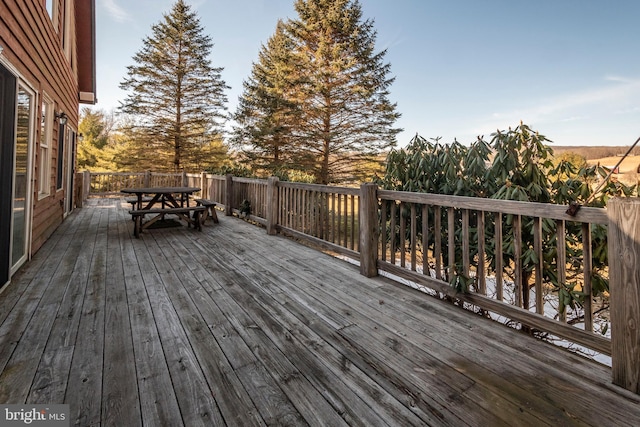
(537, 247)
(466, 246)
(561, 261)
(425, 240)
(481, 268)
(498, 257)
(345, 220)
(383, 229)
(403, 235)
(587, 265)
(353, 222)
(414, 233)
(438, 240)
(517, 259)
(393, 232)
(451, 244)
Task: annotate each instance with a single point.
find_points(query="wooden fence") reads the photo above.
(431, 239)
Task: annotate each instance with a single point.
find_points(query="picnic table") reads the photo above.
(164, 201)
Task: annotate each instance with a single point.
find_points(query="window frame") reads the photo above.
(44, 147)
(67, 33)
(51, 7)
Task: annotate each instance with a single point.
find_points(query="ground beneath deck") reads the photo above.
(230, 326)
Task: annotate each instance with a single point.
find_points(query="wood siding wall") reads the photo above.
(33, 46)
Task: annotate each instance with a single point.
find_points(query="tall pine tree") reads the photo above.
(267, 112)
(176, 97)
(335, 91)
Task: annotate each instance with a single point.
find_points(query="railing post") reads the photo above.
(369, 229)
(272, 205)
(147, 179)
(79, 189)
(204, 190)
(624, 286)
(228, 200)
(86, 178)
(185, 180)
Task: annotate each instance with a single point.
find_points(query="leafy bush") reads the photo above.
(517, 164)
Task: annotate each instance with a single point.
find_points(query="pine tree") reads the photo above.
(267, 113)
(95, 134)
(176, 96)
(334, 92)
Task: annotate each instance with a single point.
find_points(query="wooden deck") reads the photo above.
(230, 326)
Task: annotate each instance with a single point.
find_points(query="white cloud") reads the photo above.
(621, 94)
(116, 11)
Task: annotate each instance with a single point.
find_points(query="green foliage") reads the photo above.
(516, 165)
(94, 148)
(267, 115)
(176, 98)
(294, 176)
(571, 159)
(317, 99)
(245, 208)
(232, 169)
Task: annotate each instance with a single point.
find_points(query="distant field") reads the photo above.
(608, 156)
(628, 168)
(594, 153)
(630, 164)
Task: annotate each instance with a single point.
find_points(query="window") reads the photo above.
(67, 30)
(44, 152)
(49, 6)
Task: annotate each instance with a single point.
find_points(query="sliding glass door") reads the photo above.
(25, 108)
(17, 115)
(8, 85)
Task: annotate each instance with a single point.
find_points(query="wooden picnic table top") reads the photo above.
(160, 190)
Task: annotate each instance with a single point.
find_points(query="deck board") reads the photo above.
(230, 326)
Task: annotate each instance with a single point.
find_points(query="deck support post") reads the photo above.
(624, 286)
(272, 205)
(147, 179)
(228, 199)
(369, 229)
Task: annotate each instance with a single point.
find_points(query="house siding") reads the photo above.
(33, 46)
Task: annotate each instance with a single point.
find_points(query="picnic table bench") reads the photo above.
(183, 212)
(134, 200)
(210, 212)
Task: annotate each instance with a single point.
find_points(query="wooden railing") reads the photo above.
(428, 239)
(111, 183)
(452, 249)
(326, 215)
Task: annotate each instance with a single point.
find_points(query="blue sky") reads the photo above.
(568, 68)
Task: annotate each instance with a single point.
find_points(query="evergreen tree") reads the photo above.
(332, 96)
(176, 96)
(267, 112)
(94, 136)
(346, 114)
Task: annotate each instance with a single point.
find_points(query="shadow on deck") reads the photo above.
(230, 326)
